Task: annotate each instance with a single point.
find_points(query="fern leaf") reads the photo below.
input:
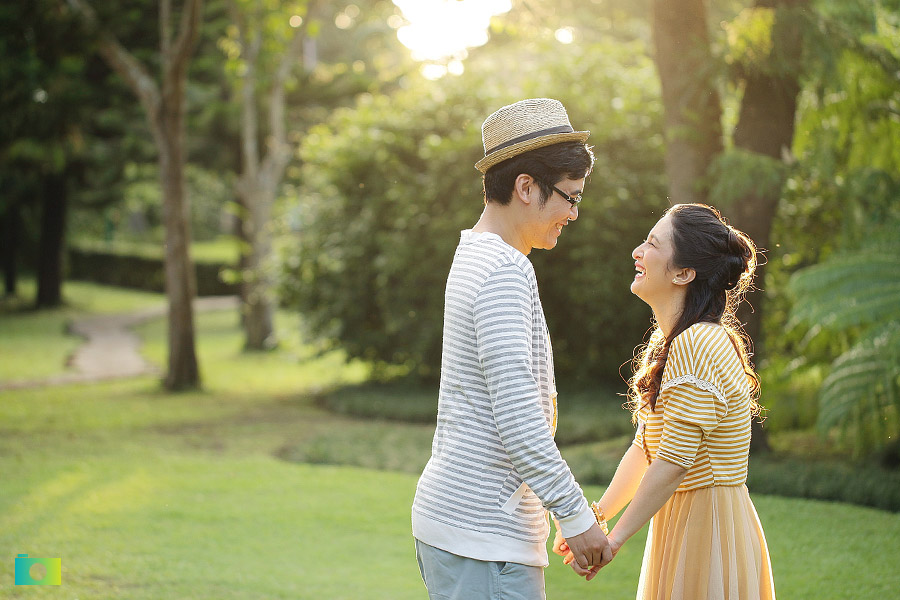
(861, 289)
(862, 390)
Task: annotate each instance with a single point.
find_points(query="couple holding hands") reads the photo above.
(479, 517)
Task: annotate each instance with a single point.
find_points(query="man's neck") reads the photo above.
(503, 221)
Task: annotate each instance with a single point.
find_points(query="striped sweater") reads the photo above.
(702, 416)
(494, 465)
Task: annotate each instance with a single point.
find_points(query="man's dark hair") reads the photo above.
(548, 165)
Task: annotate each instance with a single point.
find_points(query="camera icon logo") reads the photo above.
(27, 574)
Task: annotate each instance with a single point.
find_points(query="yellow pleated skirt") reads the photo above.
(707, 544)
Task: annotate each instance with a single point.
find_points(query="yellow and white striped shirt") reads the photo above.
(702, 416)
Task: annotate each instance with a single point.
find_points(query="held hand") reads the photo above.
(559, 544)
(588, 574)
(590, 550)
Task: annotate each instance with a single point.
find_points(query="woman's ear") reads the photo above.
(684, 276)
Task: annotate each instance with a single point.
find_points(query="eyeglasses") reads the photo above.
(573, 200)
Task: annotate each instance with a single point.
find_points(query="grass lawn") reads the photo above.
(145, 495)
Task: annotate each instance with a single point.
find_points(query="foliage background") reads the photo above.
(389, 184)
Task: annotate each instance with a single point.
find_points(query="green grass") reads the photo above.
(146, 495)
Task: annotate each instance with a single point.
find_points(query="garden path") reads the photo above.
(111, 350)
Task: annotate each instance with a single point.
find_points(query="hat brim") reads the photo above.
(533, 144)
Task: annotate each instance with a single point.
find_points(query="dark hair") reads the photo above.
(548, 165)
(724, 260)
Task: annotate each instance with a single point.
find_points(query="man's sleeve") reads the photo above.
(503, 328)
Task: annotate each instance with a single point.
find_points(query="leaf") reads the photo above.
(861, 390)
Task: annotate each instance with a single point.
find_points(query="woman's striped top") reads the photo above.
(494, 465)
(702, 417)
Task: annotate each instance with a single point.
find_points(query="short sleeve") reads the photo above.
(689, 414)
(639, 436)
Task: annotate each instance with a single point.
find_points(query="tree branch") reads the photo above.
(123, 62)
(188, 32)
(278, 155)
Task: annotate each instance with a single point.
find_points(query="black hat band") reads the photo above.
(530, 136)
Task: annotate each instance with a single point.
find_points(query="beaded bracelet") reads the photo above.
(601, 520)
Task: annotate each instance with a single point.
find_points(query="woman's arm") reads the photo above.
(625, 482)
(619, 493)
(659, 483)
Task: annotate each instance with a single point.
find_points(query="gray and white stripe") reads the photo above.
(495, 416)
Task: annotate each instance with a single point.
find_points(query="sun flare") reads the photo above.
(441, 30)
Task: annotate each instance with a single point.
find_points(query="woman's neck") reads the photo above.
(667, 313)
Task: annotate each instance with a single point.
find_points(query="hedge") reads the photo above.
(141, 272)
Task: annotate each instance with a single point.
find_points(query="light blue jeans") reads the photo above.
(451, 577)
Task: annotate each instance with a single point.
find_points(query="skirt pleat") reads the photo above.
(707, 544)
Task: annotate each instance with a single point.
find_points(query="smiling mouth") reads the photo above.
(640, 272)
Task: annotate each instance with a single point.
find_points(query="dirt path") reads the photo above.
(111, 350)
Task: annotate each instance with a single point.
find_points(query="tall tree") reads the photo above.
(693, 110)
(164, 106)
(769, 75)
(48, 104)
(9, 228)
(765, 128)
(268, 41)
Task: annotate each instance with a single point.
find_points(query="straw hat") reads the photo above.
(523, 126)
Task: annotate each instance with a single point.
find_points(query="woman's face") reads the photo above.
(653, 263)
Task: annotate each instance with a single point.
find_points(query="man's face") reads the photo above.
(547, 221)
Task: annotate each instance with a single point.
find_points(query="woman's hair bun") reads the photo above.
(739, 255)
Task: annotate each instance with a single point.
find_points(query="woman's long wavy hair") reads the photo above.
(724, 260)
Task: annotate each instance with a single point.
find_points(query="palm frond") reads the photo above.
(861, 394)
(849, 291)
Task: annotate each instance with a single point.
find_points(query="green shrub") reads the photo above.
(584, 416)
(596, 463)
(140, 272)
(384, 401)
(865, 484)
(389, 183)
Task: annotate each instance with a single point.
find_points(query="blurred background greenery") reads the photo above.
(328, 170)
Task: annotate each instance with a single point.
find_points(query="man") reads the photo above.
(479, 515)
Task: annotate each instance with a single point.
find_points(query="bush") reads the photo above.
(584, 416)
(864, 484)
(388, 185)
(141, 272)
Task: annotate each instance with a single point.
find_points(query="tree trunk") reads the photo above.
(10, 222)
(259, 306)
(165, 106)
(692, 107)
(766, 126)
(183, 370)
(54, 200)
(261, 176)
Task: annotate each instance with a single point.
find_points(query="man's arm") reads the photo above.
(503, 314)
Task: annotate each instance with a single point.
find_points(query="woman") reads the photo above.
(693, 396)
